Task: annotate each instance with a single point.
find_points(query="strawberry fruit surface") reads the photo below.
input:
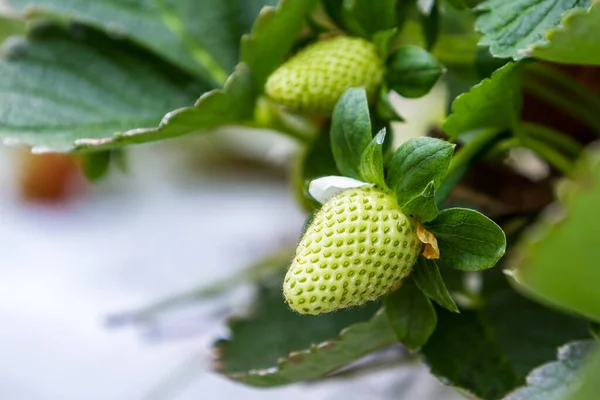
(358, 247)
(313, 80)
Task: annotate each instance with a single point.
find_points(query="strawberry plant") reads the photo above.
(406, 237)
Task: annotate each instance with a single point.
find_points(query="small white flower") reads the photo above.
(324, 189)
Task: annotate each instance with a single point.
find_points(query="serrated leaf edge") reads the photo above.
(89, 144)
(98, 144)
(565, 353)
(296, 357)
(477, 87)
(564, 27)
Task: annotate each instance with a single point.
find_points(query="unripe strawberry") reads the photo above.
(314, 79)
(357, 248)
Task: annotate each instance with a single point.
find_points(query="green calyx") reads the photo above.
(314, 79)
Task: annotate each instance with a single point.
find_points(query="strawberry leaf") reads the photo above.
(350, 131)
(416, 163)
(11, 25)
(411, 315)
(367, 17)
(335, 11)
(384, 107)
(575, 40)
(427, 277)
(276, 346)
(371, 165)
(589, 378)
(95, 165)
(430, 22)
(112, 87)
(468, 240)
(459, 4)
(412, 71)
(230, 105)
(423, 207)
(556, 380)
(510, 28)
(488, 351)
(494, 103)
(149, 93)
(201, 37)
(315, 162)
(559, 256)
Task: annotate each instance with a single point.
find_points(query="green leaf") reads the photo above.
(427, 277)
(230, 105)
(273, 35)
(382, 40)
(371, 164)
(468, 240)
(60, 89)
(556, 380)
(430, 22)
(276, 346)
(335, 10)
(458, 4)
(201, 37)
(350, 131)
(10, 26)
(411, 315)
(575, 41)
(234, 104)
(478, 145)
(461, 353)
(314, 162)
(404, 10)
(590, 386)
(384, 107)
(96, 165)
(368, 17)
(494, 103)
(423, 206)
(511, 28)
(412, 71)
(416, 163)
(559, 255)
(490, 350)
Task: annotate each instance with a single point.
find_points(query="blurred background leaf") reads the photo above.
(275, 346)
(511, 28)
(556, 263)
(556, 380)
(489, 350)
(202, 37)
(61, 86)
(574, 41)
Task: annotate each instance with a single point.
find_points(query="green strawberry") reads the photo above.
(357, 248)
(314, 79)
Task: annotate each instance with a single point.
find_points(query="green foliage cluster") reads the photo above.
(91, 77)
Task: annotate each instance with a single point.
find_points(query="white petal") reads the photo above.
(324, 189)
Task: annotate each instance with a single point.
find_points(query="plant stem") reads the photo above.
(503, 146)
(567, 83)
(472, 150)
(464, 158)
(548, 153)
(553, 137)
(564, 103)
(300, 136)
